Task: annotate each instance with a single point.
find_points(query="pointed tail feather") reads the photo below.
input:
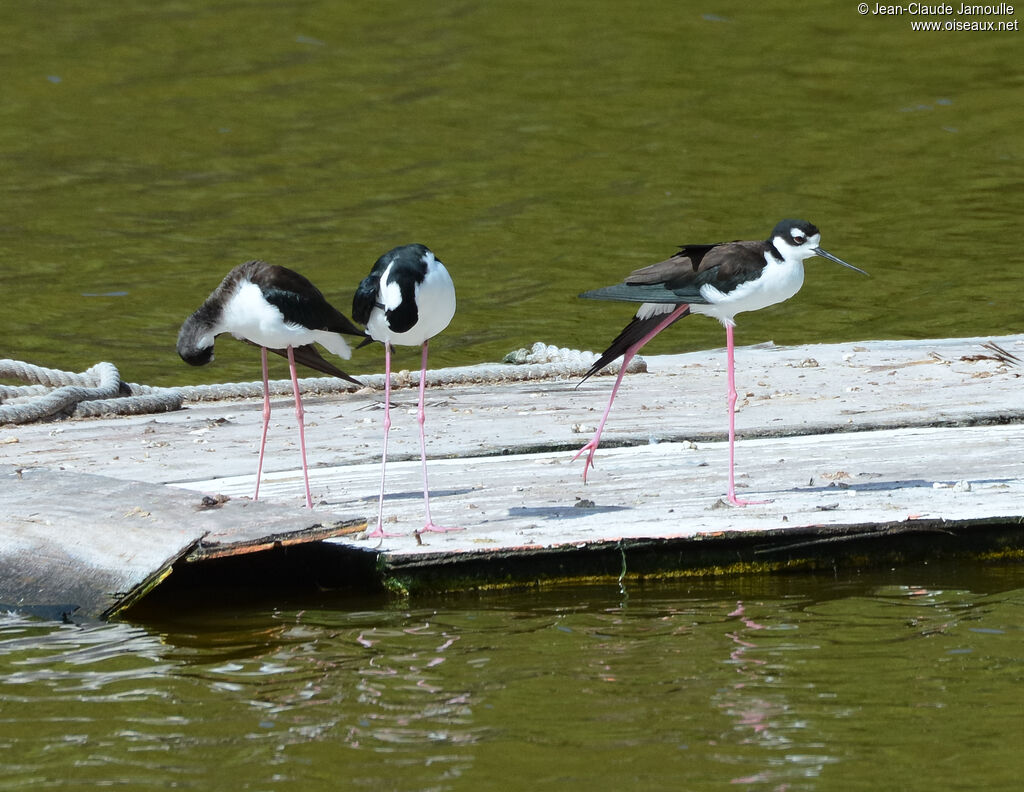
(631, 334)
(636, 293)
(309, 356)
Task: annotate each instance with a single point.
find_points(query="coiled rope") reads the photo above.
(99, 391)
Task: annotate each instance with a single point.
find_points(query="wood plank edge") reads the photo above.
(810, 549)
(206, 551)
(126, 600)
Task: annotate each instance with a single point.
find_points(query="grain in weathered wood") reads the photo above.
(96, 543)
(675, 490)
(783, 391)
(845, 439)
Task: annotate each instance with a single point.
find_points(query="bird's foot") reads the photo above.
(380, 533)
(738, 502)
(591, 449)
(430, 527)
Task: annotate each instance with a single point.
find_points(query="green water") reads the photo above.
(908, 680)
(540, 148)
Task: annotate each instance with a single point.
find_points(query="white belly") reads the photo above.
(778, 282)
(435, 298)
(248, 316)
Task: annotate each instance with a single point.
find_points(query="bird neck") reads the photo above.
(198, 331)
(774, 252)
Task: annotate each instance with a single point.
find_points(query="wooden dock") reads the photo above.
(870, 452)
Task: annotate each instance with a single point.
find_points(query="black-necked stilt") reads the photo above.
(276, 309)
(715, 280)
(407, 299)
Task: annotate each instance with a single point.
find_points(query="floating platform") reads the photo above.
(866, 453)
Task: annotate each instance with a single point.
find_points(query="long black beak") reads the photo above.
(825, 254)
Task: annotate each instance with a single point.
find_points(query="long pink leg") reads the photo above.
(266, 420)
(422, 417)
(302, 431)
(731, 376)
(591, 447)
(379, 532)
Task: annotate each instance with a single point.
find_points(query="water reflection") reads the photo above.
(761, 684)
(763, 716)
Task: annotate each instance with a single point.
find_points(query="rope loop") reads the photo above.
(98, 391)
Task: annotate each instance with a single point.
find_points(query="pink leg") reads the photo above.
(266, 421)
(591, 447)
(302, 431)
(731, 376)
(422, 416)
(379, 532)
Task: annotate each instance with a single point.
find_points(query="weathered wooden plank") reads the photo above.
(87, 541)
(824, 434)
(886, 482)
(96, 543)
(783, 390)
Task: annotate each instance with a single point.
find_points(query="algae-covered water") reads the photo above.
(539, 148)
(902, 680)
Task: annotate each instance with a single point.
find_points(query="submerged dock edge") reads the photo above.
(325, 567)
(812, 549)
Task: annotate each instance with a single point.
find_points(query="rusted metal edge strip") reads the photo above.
(204, 550)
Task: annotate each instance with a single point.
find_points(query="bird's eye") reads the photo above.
(799, 238)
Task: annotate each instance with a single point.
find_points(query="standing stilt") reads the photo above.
(720, 281)
(407, 299)
(379, 531)
(277, 310)
(266, 420)
(299, 414)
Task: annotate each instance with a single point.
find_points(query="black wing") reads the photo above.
(648, 284)
(680, 279)
(677, 281)
(309, 357)
(630, 335)
(408, 269)
(298, 300)
(365, 298)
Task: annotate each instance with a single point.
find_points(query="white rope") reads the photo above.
(57, 394)
(540, 362)
(99, 391)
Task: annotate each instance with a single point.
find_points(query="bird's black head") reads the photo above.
(410, 255)
(195, 344)
(196, 357)
(799, 240)
(795, 232)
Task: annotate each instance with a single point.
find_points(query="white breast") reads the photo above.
(435, 300)
(778, 282)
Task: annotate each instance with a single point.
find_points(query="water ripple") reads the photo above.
(762, 684)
